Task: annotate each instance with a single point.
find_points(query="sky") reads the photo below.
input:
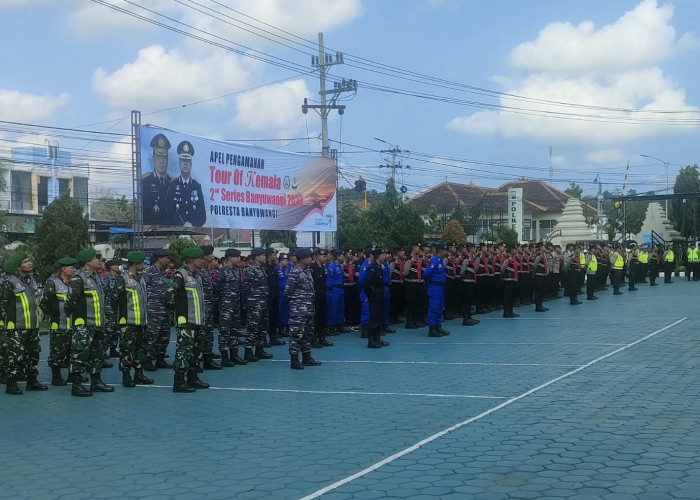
(482, 92)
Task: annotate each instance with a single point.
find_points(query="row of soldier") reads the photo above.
(306, 295)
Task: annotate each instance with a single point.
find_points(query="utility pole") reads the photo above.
(396, 151)
(324, 61)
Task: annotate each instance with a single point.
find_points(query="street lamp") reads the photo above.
(666, 164)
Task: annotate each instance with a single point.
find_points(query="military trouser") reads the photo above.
(273, 312)
(132, 347)
(188, 347)
(21, 352)
(467, 295)
(111, 332)
(412, 298)
(301, 332)
(256, 323)
(208, 333)
(283, 306)
(59, 348)
(376, 313)
(453, 288)
(229, 328)
(320, 312)
(87, 349)
(398, 297)
(157, 334)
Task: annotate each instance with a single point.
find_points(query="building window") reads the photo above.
(21, 194)
(80, 191)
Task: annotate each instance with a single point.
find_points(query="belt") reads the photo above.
(451, 277)
(510, 279)
(350, 284)
(468, 280)
(413, 281)
(396, 281)
(436, 283)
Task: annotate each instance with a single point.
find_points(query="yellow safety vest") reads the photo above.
(619, 261)
(593, 264)
(696, 255)
(643, 257)
(669, 256)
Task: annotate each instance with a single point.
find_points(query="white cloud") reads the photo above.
(610, 69)
(159, 79)
(641, 37)
(20, 4)
(20, 106)
(92, 20)
(606, 156)
(274, 109)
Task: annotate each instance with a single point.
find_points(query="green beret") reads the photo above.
(11, 265)
(86, 255)
(192, 253)
(67, 261)
(136, 257)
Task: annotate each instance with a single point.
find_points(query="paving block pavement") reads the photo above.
(624, 426)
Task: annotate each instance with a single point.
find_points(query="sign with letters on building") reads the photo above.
(190, 182)
(515, 210)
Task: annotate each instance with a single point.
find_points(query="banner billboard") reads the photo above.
(515, 208)
(190, 182)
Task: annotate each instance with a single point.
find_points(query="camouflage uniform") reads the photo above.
(159, 318)
(299, 293)
(185, 297)
(20, 337)
(227, 290)
(53, 303)
(255, 292)
(84, 300)
(111, 330)
(131, 299)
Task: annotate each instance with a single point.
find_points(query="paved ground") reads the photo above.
(594, 401)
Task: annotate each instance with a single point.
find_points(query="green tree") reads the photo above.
(506, 235)
(434, 224)
(178, 245)
(61, 232)
(685, 213)
(629, 217)
(454, 234)
(112, 209)
(287, 238)
(574, 190)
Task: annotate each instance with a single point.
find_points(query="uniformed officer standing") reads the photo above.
(18, 307)
(509, 277)
(227, 290)
(154, 185)
(299, 293)
(86, 302)
(413, 277)
(364, 300)
(283, 268)
(633, 268)
(435, 278)
(617, 264)
(453, 285)
(352, 292)
(397, 289)
(273, 296)
(373, 285)
(468, 274)
(53, 304)
(335, 294)
(591, 272)
(669, 262)
(159, 317)
(110, 328)
(132, 311)
(654, 264)
(185, 296)
(255, 293)
(318, 271)
(541, 267)
(208, 287)
(185, 197)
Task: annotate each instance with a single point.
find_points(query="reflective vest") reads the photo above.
(90, 310)
(696, 255)
(62, 321)
(669, 256)
(23, 314)
(189, 302)
(133, 302)
(619, 261)
(643, 257)
(593, 264)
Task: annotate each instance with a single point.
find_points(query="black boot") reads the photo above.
(76, 377)
(372, 342)
(56, 379)
(249, 356)
(140, 378)
(12, 387)
(332, 331)
(179, 384)
(379, 341)
(149, 366)
(444, 333)
(364, 332)
(296, 365)
(127, 381)
(470, 322)
(236, 359)
(78, 388)
(261, 354)
(308, 360)
(434, 332)
(388, 329)
(324, 342)
(96, 384)
(276, 341)
(411, 325)
(194, 381)
(226, 360)
(160, 363)
(210, 364)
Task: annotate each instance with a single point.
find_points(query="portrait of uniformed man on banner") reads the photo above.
(185, 198)
(154, 185)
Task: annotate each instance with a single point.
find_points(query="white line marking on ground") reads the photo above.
(510, 401)
(611, 344)
(465, 363)
(354, 393)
